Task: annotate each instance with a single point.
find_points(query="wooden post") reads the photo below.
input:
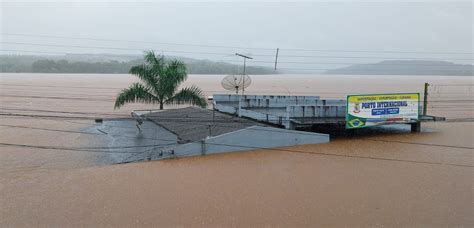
(425, 99)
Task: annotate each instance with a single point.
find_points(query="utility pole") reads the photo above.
(276, 58)
(425, 99)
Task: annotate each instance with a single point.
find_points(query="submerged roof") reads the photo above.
(193, 124)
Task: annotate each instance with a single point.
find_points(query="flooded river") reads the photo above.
(393, 179)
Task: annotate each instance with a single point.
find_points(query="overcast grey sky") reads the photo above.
(426, 26)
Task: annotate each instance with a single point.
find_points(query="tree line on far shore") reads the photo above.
(44, 64)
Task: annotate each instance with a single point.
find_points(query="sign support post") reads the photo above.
(425, 99)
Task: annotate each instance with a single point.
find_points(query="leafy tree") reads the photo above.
(159, 81)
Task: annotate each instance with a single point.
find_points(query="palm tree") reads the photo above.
(159, 81)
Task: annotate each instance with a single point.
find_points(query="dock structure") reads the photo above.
(293, 112)
(290, 112)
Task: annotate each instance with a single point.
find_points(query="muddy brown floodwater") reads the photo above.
(394, 179)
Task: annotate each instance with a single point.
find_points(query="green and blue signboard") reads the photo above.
(377, 109)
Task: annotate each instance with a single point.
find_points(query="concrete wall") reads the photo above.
(250, 138)
(265, 101)
(280, 109)
(226, 108)
(255, 115)
(283, 117)
(264, 117)
(234, 97)
(301, 111)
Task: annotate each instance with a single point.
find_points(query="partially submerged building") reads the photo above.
(248, 122)
(202, 131)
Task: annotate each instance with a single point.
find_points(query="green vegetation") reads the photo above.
(109, 64)
(160, 79)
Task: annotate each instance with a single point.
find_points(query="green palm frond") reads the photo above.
(135, 93)
(154, 60)
(189, 95)
(177, 69)
(144, 73)
(173, 74)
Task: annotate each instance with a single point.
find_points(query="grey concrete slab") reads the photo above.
(191, 131)
(123, 142)
(250, 138)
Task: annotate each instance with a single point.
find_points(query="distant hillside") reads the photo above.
(407, 67)
(109, 64)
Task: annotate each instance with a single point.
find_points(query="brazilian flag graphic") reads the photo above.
(354, 122)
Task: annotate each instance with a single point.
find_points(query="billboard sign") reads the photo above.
(377, 109)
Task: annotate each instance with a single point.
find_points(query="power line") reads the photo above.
(453, 101)
(218, 91)
(81, 132)
(112, 48)
(84, 149)
(340, 155)
(464, 119)
(43, 52)
(429, 71)
(246, 147)
(227, 54)
(354, 63)
(134, 41)
(466, 85)
(455, 68)
(365, 51)
(448, 119)
(274, 149)
(421, 144)
(182, 120)
(234, 47)
(75, 87)
(194, 121)
(448, 107)
(65, 112)
(460, 100)
(48, 116)
(58, 98)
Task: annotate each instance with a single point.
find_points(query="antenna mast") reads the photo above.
(245, 60)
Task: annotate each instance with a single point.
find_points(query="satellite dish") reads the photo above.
(236, 82)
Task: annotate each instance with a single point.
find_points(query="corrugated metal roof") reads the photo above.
(192, 124)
